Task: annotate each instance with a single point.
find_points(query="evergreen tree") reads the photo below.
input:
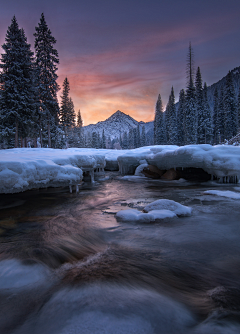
(138, 143)
(103, 140)
(17, 99)
(79, 119)
(46, 63)
(94, 139)
(216, 124)
(221, 116)
(71, 115)
(207, 124)
(181, 118)
(125, 141)
(171, 120)
(143, 136)
(64, 110)
(230, 108)
(191, 117)
(200, 108)
(159, 124)
(131, 139)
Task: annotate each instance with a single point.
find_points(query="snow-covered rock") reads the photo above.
(136, 216)
(23, 169)
(221, 161)
(167, 204)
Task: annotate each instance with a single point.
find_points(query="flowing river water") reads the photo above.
(68, 267)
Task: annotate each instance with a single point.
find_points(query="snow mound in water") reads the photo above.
(226, 193)
(140, 217)
(169, 205)
(15, 275)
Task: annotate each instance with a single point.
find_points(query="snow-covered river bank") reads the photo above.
(67, 265)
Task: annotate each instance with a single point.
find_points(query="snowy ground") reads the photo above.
(23, 169)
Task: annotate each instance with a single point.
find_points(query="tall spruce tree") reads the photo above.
(230, 108)
(79, 119)
(200, 108)
(46, 63)
(191, 117)
(159, 124)
(181, 118)
(125, 141)
(238, 111)
(143, 136)
(103, 140)
(208, 130)
(216, 118)
(17, 98)
(221, 116)
(171, 120)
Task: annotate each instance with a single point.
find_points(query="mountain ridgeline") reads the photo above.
(119, 123)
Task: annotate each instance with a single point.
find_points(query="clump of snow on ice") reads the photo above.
(166, 204)
(223, 193)
(136, 216)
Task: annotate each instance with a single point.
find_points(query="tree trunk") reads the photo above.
(16, 135)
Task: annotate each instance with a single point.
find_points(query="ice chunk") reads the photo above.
(166, 204)
(223, 193)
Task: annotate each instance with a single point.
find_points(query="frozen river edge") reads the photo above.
(28, 168)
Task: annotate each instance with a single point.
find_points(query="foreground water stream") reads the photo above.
(67, 266)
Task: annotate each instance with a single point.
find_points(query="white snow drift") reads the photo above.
(160, 209)
(223, 193)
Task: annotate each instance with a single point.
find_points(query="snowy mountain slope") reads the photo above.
(116, 125)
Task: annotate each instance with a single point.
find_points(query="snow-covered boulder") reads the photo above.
(136, 216)
(25, 168)
(221, 161)
(167, 204)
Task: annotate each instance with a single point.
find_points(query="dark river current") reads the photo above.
(68, 267)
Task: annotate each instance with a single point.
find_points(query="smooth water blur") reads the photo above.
(67, 265)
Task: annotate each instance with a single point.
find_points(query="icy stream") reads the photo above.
(68, 267)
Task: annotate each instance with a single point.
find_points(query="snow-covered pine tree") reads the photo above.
(103, 140)
(46, 63)
(230, 108)
(238, 107)
(181, 118)
(79, 119)
(134, 137)
(138, 144)
(159, 124)
(131, 139)
(71, 115)
(171, 120)
(200, 108)
(208, 131)
(215, 118)
(94, 139)
(125, 141)
(143, 136)
(221, 115)
(17, 99)
(191, 117)
(64, 109)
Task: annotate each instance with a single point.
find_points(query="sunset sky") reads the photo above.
(119, 55)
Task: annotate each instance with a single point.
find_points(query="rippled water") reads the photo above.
(67, 266)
